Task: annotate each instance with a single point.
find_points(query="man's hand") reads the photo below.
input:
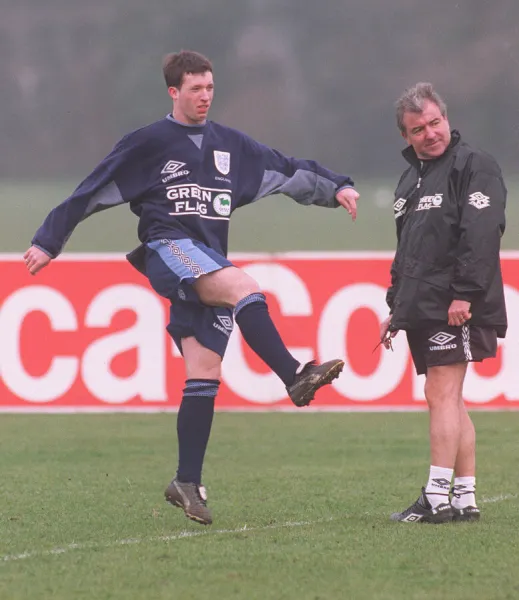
(459, 313)
(35, 260)
(348, 198)
(385, 335)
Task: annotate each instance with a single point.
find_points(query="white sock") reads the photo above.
(464, 493)
(439, 485)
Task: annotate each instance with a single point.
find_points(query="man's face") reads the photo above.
(427, 132)
(193, 100)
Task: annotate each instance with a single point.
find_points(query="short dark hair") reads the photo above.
(176, 64)
(413, 99)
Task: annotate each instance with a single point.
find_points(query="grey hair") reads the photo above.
(413, 99)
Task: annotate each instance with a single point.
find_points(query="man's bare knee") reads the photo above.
(444, 384)
(225, 287)
(200, 362)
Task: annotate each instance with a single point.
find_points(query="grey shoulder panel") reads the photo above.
(305, 187)
(106, 197)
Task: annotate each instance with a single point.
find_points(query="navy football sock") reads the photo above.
(194, 421)
(252, 316)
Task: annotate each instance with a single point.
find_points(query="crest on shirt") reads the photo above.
(222, 161)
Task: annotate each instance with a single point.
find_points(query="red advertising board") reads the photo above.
(88, 334)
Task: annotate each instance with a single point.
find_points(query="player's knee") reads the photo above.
(200, 362)
(225, 287)
(438, 396)
(204, 370)
(245, 287)
(249, 290)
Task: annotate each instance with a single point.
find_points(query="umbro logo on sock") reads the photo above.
(442, 482)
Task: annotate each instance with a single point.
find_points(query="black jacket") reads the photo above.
(450, 216)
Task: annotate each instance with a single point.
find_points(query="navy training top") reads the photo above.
(185, 181)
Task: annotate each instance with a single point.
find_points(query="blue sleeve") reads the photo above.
(117, 179)
(305, 181)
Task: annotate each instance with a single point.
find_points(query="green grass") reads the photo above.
(314, 491)
(274, 224)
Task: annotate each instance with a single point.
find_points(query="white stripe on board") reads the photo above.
(295, 255)
(270, 409)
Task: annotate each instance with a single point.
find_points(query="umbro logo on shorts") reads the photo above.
(226, 322)
(441, 341)
(225, 325)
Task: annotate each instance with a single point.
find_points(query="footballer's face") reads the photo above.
(428, 132)
(191, 102)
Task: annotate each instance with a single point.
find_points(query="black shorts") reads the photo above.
(445, 345)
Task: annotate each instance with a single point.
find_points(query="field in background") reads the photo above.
(301, 505)
(274, 224)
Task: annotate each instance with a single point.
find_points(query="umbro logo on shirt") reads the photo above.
(399, 207)
(226, 322)
(172, 166)
(479, 200)
(173, 169)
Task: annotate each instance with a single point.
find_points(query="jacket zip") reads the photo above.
(419, 175)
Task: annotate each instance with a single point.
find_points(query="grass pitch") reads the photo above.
(300, 501)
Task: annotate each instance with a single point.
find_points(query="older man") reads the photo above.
(446, 290)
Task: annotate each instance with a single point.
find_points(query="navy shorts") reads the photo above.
(447, 345)
(171, 267)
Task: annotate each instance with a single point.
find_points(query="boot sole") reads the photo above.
(178, 504)
(438, 522)
(424, 521)
(328, 377)
(470, 518)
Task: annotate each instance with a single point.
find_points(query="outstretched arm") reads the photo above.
(305, 181)
(114, 181)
